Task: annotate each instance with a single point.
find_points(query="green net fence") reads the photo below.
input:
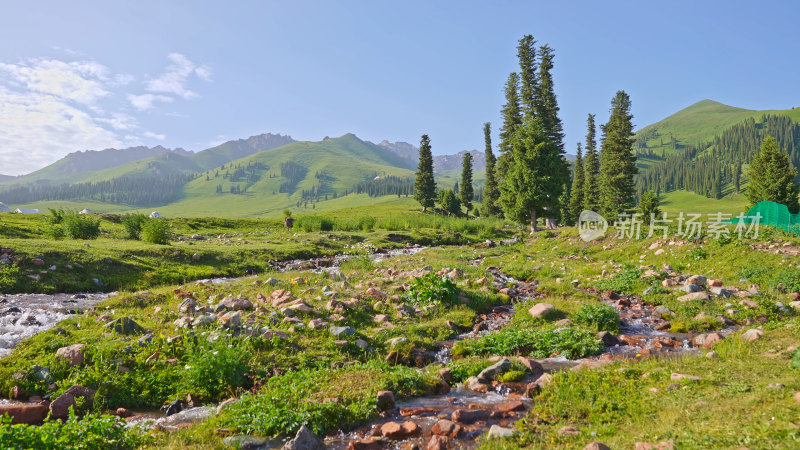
(772, 214)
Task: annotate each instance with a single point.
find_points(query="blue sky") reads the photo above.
(97, 74)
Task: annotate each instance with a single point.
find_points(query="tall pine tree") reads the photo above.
(617, 159)
(591, 185)
(772, 177)
(425, 185)
(491, 193)
(512, 120)
(466, 193)
(526, 53)
(577, 192)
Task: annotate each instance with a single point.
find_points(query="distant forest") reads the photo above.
(707, 169)
(134, 191)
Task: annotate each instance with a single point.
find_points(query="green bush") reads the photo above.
(133, 225)
(216, 369)
(81, 226)
(90, 432)
(431, 289)
(156, 231)
(9, 278)
(599, 316)
(787, 280)
(571, 342)
(625, 281)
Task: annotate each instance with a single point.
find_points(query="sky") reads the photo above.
(192, 74)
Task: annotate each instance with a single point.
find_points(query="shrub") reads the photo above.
(787, 280)
(90, 432)
(9, 278)
(624, 281)
(449, 201)
(156, 231)
(571, 342)
(599, 316)
(77, 226)
(431, 289)
(133, 225)
(216, 369)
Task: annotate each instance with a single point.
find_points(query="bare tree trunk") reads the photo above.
(533, 221)
(551, 224)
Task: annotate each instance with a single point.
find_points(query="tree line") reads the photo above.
(530, 179)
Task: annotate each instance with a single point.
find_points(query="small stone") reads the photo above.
(72, 353)
(541, 309)
(752, 334)
(497, 431)
(469, 416)
(569, 431)
(125, 325)
(712, 355)
(608, 339)
(488, 374)
(447, 428)
(123, 412)
(689, 288)
(396, 431)
(681, 376)
(693, 296)
(305, 439)
(596, 446)
(342, 331)
(385, 400)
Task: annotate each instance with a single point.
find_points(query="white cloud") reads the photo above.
(120, 121)
(81, 82)
(152, 135)
(176, 77)
(147, 101)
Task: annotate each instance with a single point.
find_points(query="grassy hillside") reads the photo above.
(689, 202)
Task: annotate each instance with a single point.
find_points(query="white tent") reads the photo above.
(27, 211)
(155, 215)
(4, 208)
(86, 211)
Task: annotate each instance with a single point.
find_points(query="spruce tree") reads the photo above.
(577, 192)
(526, 53)
(425, 185)
(534, 182)
(648, 204)
(546, 104)
(591, 185)
(512, 120)
(617, 159)
(772, 177)
(491, 193)
(466, 193)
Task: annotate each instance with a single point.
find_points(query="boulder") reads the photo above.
(541, 309)
(488, 374)
(365, 444)
(59, 408)
(569, 431)
(706, 340)
(696, 279)
(663, 312)
(237, 304)
(693, 296)
(609, 340)
(533, 366)
(596, 446)
(125, 325)
(342, 331)
(247, 442)
(447, 428)
(72, 353)
(385, 400)
(305, 439)
(752, 334)
(24, 413)
(496, 431)
(469, 416)
(476, 385)
(397, 431)
(438, 443)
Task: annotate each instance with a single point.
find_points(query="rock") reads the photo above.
(18, 393)
(195, 256)
(662, 312)
(173, 408)
(797, 397)
(596, 446)
(72, 353)
(541, 309)
(474, 384)
(689, 288)
(247, 442)
(37, 262)
(125, 325)
(488, 374)
(715, 283)
(342, 331)
(697, 279)
(706, 340)
(385, 400)
(752, 334)
(231, 320)
(316, 323)
(188, 306)
(681, 376)
(438, 443)
(24, 413)
(712, 355)
(668, 282)
(648, 290)
(569, 431)
(304, 440)
(469, 416)
(609, 340)
(497, 431)
(364, 445)
(393, 342)
(362, 344)
(720, 292)
(123, 412)
(693, 296)
(397, 431)
(533, 366)
(447, 428)
(237, 304)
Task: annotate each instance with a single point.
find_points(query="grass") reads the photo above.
(676, 202)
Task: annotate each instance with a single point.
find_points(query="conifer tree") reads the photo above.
(526, 53)
(466, 193)
(534, 182)
(617, 159)
(491, 193)
(591, 185)
(512, 120)
(577, 192)
(546, 104)
(772, 177)
(648, 204)
(425, 185)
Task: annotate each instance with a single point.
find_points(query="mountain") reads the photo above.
(410, 155)
(74, 166)
(6, 178)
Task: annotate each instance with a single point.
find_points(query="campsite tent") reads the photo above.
(155, 215)
(4, 208)
(86, 211)
(27, 211)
